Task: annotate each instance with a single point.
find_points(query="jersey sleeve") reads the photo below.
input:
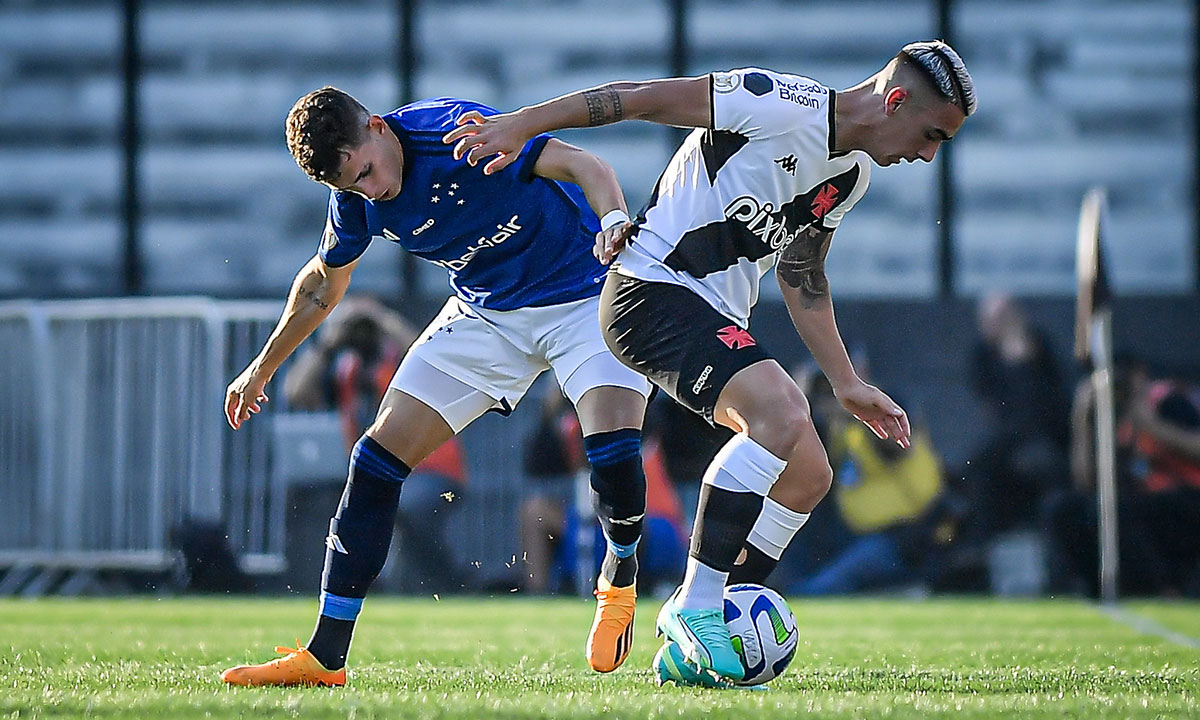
(834, 217)
(524, 163)
(346, 235)
(762, 103)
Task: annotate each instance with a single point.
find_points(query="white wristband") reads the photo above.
(613, 218)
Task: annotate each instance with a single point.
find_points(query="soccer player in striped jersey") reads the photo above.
(774, 164)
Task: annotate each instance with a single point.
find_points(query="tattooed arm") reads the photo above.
(682, 102)
(315, 291)
(801, 275)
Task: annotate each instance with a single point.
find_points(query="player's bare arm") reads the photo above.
(805, 287)
(315, 291)
(597, 179)
(681, 102)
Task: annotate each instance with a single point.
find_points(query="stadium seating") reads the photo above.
(1071, 95)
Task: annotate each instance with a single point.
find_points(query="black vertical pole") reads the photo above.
(131, 267)
(406, 71)
(946, 259)
(1196, 138)
(406, 56)
(679, 55)
(679, 44)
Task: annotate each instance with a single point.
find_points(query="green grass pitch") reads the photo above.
(523, 658)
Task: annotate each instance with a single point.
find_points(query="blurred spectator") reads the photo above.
(553, 455)
(549, 514)
(1158, 488)
(348, 370)
(687, 443)
(1024, 460)
(886, 497)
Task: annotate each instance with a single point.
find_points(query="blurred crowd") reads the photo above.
(1019, 516)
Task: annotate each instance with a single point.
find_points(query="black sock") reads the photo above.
(723, 521)
(359, 536)
(619, 496)
(756, 568)
(331, 641)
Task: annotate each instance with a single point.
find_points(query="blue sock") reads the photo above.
(619, 484)
(357, 546)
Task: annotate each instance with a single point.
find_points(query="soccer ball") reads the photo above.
(763, 630)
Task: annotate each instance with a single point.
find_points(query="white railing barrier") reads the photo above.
(111, 432)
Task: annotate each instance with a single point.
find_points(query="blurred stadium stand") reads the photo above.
(1072, 94)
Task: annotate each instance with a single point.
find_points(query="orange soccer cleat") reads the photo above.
(296, 667)
(611, 638)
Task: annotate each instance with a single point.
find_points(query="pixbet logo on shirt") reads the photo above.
(767, 224)
(506, 231)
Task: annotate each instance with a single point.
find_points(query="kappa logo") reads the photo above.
(787, 164)
(735, 338)
(699, 384)
(334, 543)
(824, 201)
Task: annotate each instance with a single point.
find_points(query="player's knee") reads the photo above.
(804, 484)
(820, 481)
(780, 430)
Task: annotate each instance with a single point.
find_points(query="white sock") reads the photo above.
(703, 587)
(775, 528)
(743, 465)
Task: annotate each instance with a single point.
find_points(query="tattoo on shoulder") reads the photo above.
(316, 299)
(604, 106)
(802, 265)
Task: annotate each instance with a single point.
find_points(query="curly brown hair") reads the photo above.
(321, 126)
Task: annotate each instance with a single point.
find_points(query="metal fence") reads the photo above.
(111, 432)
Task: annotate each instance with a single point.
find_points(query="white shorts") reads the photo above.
(470, 360)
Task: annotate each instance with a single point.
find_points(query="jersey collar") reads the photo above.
(410, 155)
(832, 128)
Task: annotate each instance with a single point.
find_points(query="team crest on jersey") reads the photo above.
(824, 201)
(725, 82)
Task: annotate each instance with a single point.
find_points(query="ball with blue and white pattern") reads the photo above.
(763, 630)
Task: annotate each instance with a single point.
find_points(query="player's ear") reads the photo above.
(894, 99)
(375, 123)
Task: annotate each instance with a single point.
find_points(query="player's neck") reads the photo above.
(397, 147)
(851, 117)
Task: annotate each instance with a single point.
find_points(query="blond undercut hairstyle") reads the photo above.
(945, 70)
(321, 127)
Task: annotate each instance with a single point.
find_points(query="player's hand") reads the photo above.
(877, 411)
(245, 396)
(477, 138)
(611, 241)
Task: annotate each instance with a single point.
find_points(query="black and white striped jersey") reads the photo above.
(734, 194)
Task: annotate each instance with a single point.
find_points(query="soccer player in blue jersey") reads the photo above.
(518, 248)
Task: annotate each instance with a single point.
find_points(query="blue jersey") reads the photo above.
(509, 240)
